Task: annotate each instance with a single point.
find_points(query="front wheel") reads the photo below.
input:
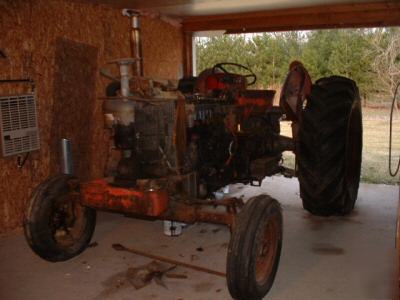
(254, 249)
(56, 226)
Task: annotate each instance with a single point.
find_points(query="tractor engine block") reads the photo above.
(224, 147)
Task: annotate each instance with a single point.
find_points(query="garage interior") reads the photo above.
(62, 46)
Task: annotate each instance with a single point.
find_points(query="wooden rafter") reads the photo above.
(376, 14)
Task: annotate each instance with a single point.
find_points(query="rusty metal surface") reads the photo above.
(157, 204)
(67, 221)
(210, 211)
(295, 92)
(267, 251)
(255, 101)
(296, 89)
(100, 194)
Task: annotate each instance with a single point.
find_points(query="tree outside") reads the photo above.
(371, 57)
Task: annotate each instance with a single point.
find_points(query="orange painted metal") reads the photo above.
(255, 101)
(100, 194)
(296, 89)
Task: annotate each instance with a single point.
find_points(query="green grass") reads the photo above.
(375, 159)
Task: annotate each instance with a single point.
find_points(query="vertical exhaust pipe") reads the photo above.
(136, 44)
(135, 40)
(66, 157)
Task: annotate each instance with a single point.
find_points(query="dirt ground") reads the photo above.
(375, 160)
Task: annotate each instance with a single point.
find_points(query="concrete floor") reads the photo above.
(323, 258)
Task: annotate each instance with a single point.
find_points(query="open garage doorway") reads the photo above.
(340, 253)
(371, 57)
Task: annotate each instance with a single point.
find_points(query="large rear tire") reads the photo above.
(254, 249)
(56, 226)
(330, 147)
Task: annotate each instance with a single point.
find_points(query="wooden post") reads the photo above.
(188, 53)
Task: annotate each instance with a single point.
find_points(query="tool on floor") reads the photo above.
(120, 247)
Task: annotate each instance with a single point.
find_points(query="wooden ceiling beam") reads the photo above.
(376, 14)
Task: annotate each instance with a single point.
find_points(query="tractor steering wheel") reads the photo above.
(250, 73)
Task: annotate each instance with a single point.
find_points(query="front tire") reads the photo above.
(56, 226)
(254, 249)
(330, 147)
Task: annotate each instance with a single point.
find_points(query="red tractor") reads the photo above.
(178, 147)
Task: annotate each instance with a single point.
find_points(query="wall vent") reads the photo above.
(18, 124)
